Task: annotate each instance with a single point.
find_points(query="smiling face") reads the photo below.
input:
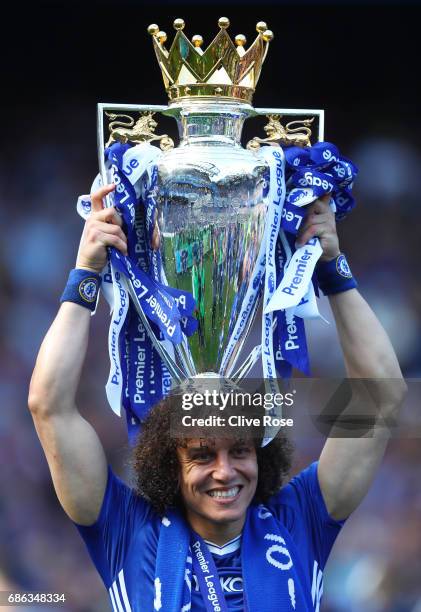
(218, 480)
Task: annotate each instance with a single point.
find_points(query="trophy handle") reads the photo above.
(144, 134)
(280, 135)
(297, 112)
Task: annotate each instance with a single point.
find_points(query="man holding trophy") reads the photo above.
(197, 237)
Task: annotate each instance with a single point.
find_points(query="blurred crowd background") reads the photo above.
(358, 61)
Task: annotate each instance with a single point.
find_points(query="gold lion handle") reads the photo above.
(277, 134)
(123, 128)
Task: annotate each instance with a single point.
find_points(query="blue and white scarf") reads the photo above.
(266, 546)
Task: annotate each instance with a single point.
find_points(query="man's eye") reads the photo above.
(202, 456)
(241, 450)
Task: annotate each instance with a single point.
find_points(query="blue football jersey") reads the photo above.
(123, 544)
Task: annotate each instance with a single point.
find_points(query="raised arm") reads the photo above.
(348, 465)
(74, 453)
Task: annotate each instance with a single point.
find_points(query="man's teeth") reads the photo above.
(229, 493)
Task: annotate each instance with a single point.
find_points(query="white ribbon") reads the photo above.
(275, 158)
(115, 384)
(297, 278)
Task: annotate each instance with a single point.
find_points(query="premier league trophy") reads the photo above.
(211, 224)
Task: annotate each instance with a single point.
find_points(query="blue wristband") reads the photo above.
(82, 288)
(335, 276)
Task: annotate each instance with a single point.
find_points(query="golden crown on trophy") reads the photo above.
(224, 69)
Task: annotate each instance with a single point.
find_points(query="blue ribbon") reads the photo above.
(311, 173)
(169, 310)
(158, 305)
(318, 170)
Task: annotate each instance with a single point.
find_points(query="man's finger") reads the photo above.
(313, 219)
(107, 240)
(321, 205)
(310, 232)
(316, 218)
(98, 195)
(109, 228)
(109, 215)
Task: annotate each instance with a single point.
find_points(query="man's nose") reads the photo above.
(224, 468)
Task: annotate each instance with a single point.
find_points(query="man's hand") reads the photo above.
(102, 229)
(320, 222)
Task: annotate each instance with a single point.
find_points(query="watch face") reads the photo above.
(88, 289)
(342, 267)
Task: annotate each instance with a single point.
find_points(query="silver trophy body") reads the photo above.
(211, 220)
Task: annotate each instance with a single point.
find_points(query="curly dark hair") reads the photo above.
(156, 466)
